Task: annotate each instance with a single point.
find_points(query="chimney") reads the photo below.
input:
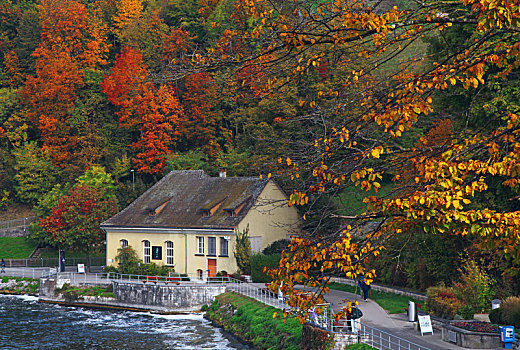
(223, 172)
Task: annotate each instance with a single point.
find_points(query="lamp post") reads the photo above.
(133, 180)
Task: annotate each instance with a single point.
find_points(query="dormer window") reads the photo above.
(211, 208)
(233, 212)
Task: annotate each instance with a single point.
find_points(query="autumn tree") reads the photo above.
(153, 111)
(35, 175)
(75, 222)
(360, 123)
(71, 49)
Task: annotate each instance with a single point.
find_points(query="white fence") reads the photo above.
(17, 223)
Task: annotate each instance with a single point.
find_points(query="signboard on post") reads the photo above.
(81, 268)
(425, 324)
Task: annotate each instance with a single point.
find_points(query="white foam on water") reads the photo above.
(195, 317)
(28, 298)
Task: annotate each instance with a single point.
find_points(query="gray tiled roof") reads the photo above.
(186, 193)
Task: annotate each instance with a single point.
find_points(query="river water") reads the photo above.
(27, 324)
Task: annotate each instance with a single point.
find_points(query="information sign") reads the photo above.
(81, 268)
(425, 324)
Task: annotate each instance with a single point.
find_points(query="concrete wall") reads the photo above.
(171, 298)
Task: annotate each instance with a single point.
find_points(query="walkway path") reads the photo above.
(395, 324)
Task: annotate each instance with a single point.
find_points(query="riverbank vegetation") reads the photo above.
(19, 285)
(256, 323)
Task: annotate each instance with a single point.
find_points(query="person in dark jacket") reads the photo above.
(2, 265)
(364, 288)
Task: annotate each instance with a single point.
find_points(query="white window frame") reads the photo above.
(224, 243)
(124, 243)
(214, 246)
(169, 253)
(146, 252)
(200, 245)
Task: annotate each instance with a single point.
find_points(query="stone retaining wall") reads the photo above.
(173, 298)
(134, 296)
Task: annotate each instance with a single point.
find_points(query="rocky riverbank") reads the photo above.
(19, 286)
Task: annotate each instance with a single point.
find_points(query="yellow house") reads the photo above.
(188, 220)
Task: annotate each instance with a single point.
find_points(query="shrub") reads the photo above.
(442, 302)
(276, 247)
(316, 339)
(475, 288)
(495, 316)
(466, 312)
(258, 262)
(511, 311)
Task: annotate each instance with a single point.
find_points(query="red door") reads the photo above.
(212, 267)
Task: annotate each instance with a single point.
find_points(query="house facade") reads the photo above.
(188, 220)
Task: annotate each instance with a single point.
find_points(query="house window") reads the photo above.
(169, 253)
(256, 244)
(200, 245)
(212, 246)
(146, 252)
(223, 246)
(124, 243)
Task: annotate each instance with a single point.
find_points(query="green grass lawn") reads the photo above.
(16, 248)
(393, 303)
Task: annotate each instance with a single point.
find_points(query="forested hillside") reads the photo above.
(389, 124)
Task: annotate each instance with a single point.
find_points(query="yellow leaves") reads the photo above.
(376, 151)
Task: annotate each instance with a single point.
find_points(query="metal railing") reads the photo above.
(385, 341)
(24, 222)
(25, 272)
(353, 331)
(263, 295)
(83, 278)
(52, 262)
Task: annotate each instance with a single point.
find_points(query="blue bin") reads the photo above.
(507, 335)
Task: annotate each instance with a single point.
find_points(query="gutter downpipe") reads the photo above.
(185, 252)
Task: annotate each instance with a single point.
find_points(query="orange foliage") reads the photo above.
(199, 125)
(72, 40)
(154, 111)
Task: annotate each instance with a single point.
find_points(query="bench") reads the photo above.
(153, 279)
(173, 280)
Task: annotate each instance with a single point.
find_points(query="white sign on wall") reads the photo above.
(81, 268)
(425, 324)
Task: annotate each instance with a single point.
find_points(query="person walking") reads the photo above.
(2, 264)
(364, 288)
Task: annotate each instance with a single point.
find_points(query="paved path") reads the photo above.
(396, 324)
